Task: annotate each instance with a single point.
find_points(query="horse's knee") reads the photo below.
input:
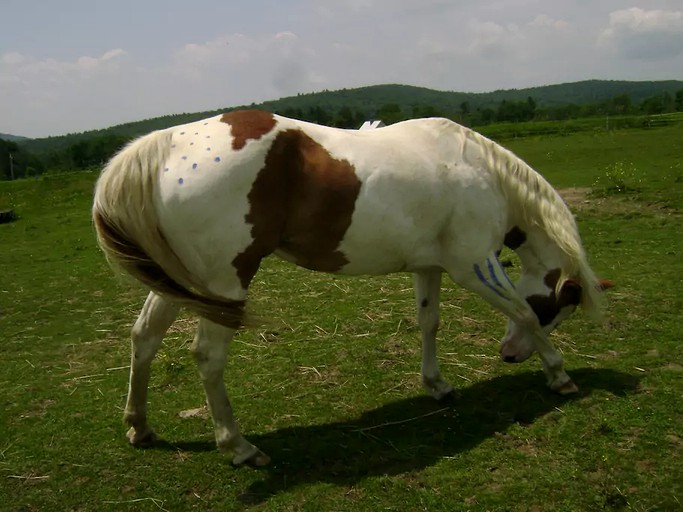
(139, 333)
(428, 321)
(210, 346)
(156, 317)
(200, 352)
(144, 343)
(210, 358)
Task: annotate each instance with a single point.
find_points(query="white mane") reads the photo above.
(538, 205)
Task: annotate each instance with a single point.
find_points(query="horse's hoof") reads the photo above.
(141, 439)
(257, 459)
(439, 389)
(568, 388)
(447, 397)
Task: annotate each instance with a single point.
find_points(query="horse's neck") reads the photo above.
(539, 254)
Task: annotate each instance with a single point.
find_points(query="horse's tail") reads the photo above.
(129, 233)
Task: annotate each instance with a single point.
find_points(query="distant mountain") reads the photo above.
(13, 138)
(579, 93)
(588, 91)
(369, 102)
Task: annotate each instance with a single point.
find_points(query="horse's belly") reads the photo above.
(360, 262)
(388, 259)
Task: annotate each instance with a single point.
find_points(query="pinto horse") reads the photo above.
(191, 211)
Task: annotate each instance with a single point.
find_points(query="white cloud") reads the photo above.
(491, 39)
(27, 67)
(639, 34)
(281, 61)
(536, 50)
(232, 48)
(112, 54)
(543, 21)
(70, 90)
(12, 59)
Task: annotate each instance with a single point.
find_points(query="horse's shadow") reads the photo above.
(412, 433)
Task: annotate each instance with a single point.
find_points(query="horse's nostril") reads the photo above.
(509, 359)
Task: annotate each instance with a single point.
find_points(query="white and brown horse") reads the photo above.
(191, 211)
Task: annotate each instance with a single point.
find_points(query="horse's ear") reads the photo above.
(605, 284)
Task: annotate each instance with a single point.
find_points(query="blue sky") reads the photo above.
(74, 65)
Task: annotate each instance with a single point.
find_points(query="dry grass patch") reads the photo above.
(583, 199)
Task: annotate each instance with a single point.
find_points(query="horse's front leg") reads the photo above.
(156, 317)
(488, 279)
(427, 290)
(210, 350)
(552, 361)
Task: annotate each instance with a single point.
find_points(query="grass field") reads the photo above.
(329, 387)
(594, 125)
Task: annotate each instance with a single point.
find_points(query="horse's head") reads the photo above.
(550, 307)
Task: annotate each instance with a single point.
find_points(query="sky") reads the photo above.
(74, 65)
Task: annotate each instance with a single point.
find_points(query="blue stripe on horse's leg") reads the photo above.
(518, 310)
(492, 272)
(484, 280)
(502, 296)
(502, 271)
(497, 270)
(427, 290)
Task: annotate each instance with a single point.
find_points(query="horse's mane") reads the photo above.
(538, 205)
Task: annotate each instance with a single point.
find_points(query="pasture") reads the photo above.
(329, 385)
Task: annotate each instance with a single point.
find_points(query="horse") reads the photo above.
(191, 211)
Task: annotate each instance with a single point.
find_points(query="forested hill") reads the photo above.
(348, 108)
(366, 102)
(369, 99)
(586, 92)
(7, 136)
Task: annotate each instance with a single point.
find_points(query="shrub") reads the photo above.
(619, 178)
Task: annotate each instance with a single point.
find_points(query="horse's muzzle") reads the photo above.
(509, 358)
(515, 350)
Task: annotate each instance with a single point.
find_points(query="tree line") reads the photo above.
(507, 111)
(92, 152)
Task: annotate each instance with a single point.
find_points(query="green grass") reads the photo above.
(581, 159)
(595, 125)
(329, 387)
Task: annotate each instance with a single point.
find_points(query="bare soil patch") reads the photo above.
(581, 199)
(575, 197)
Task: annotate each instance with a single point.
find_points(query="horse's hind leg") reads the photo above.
(156, 317)
(210, 350)
(427, 290)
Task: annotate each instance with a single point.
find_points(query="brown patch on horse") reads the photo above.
(547, 307)
(514, 238)
(248, 125)
(301, 203)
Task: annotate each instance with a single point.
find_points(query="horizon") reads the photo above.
(133, 121)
